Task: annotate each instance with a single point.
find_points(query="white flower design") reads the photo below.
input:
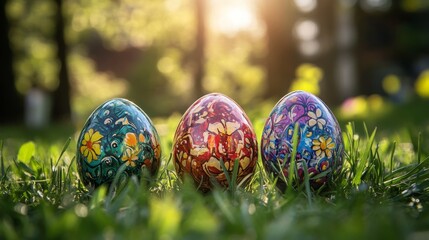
(316, 118)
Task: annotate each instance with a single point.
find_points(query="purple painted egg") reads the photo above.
(319, 148)
(214, 130)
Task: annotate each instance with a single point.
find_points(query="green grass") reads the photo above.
(382, 192)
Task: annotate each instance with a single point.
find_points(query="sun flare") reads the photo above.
(233, 16)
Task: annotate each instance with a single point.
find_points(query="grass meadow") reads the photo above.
(382, 191)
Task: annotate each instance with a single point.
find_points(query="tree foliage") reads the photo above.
(162, 55)
(162, 35)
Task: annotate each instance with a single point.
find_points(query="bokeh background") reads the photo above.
(62, 58)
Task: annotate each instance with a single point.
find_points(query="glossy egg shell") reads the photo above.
(118, 132)
(320, 145)
(214, 129)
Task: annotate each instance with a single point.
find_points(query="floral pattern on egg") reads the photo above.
(319, 147)
(117, 133)
(212, 130)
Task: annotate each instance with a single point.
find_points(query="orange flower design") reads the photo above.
(131, 149)
(130, 140)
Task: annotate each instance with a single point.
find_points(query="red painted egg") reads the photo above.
(214, 130)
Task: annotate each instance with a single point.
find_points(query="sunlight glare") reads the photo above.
(306, 5)
(309, 48)
(306, 30)
(231, 17)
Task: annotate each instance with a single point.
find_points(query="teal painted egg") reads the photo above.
(117, 133)
(319, 147)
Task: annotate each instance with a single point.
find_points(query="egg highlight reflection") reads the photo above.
(117, 133)
(319, 146)
(214, 130)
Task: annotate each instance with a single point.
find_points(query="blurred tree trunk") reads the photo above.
(11, 102)
(281, 63)
(199, 47)
(61, 104)
(325, 17)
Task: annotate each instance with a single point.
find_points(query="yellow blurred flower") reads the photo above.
(422, 84)
(391, 84)
(308, 77)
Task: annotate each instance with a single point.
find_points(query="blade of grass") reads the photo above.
(69, 167)
(98, 197)
(244, 180)
(419, 139)
(320, 175)
(225, 171)
(114, 184)
(279, 170)
(292, 163)
(234, 175)
(307, 185)
(66, 145)
(130, 187)
(231, 177)
(419, 167)
(375, 170)
(351, 142)
(1, 158)
(365, 157)
(392, 154)
(167, 172)
(223, 206)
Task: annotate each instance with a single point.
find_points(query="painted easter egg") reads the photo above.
(117, 133)
(214, 131)
(319, 146)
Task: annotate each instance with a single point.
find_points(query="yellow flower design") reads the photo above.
(90, 147)
(130, 156)
(131, 150)
(316, 118)
(323, 147)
